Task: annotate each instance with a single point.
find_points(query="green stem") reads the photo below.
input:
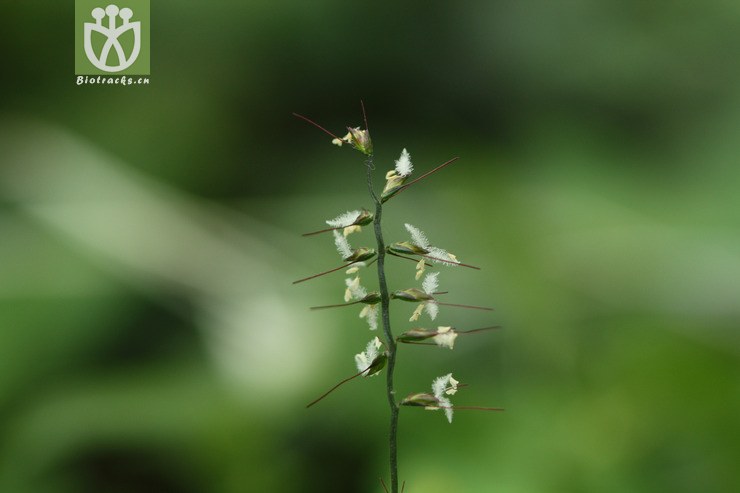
(389, 339)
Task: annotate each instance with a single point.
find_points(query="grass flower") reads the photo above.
(355, 291)
(370, 313)
(371, 361)
(420, 245)
(376, 304)
(403, 164)
(442, 336)
(396, 178)
(434, 254)
(445, 337)
(349, 254)
(441, 388)
(423, 296)
(350, 222)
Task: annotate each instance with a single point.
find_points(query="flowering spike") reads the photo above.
(375, 304)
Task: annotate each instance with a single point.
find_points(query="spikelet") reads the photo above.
(403, 164)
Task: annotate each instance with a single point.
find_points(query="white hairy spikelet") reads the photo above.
(365, 358)
(441, 386)
(344, 220)
(445, 337)
(430, 283)
(343, 246)
(355, 291)
(432, 309)
(444, 385)
(370, 313)
(403, 164)
(446, 404)
(439, 255)
(442, 257)
(418, 237)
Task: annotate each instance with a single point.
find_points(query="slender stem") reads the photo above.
(390, 341)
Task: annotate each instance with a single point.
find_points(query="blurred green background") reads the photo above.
(151, 341)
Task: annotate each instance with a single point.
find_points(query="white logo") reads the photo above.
(111, 32)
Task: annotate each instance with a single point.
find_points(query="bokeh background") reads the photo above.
(151, 341)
